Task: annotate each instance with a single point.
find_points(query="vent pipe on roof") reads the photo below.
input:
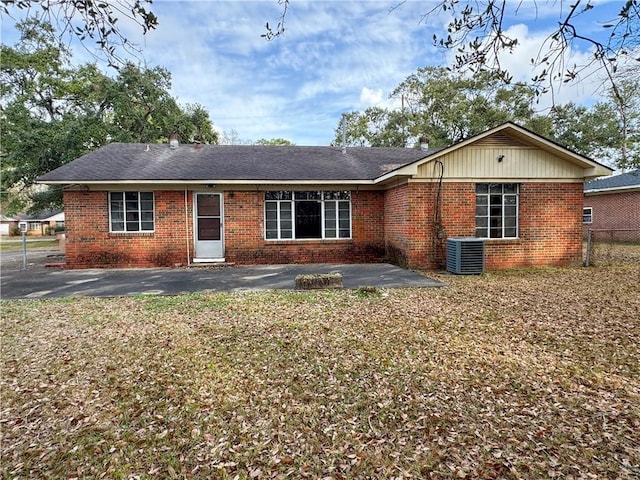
(424, 143)
(344, 134)
(173, 141)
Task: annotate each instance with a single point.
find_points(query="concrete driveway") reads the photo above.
(38, 281)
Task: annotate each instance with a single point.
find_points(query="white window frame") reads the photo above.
(503, 204)
(139, 212)
(587, 215)
(323, 220)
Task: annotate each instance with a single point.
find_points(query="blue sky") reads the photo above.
(335, 56)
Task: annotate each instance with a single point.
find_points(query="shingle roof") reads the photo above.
(629, 179)
(141, 162)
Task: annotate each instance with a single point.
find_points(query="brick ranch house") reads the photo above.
(138, 205)
(612, 206)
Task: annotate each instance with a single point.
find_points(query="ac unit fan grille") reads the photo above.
(465, 256)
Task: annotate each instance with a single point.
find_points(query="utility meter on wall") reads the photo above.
(23, 227)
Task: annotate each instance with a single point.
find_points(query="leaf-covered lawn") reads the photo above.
(521, 374)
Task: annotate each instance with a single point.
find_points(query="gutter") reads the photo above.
(628, 188)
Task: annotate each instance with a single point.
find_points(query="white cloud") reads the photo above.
(335, 56)
(370, 97)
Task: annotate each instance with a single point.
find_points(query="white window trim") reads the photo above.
(322, 219)
(133, 232)
(590, 214)
(503, 226)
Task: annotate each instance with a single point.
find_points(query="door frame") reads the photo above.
(194, 202)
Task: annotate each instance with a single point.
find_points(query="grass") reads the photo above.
(518, 374)
(31, 245)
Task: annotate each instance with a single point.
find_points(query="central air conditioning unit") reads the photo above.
(465, 256)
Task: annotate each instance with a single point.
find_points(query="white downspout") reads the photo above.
(186, 224)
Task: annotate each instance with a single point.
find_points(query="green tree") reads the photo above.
(441, 106)
(52, 113)
(607, 131)
(275, 141)
(93, 20)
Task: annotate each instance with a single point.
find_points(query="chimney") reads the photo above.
(424, 144)
(173, 141)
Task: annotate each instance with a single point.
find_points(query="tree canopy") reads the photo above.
(53, 112)
(275, 141)
(447, 107)
(88, 20)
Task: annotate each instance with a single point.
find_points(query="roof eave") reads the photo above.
(600, 191)
(209, 181)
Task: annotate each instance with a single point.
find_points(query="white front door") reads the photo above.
(208, 226)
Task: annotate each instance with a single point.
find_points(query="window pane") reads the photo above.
(330, 210)
(481, 211)
(272, 234)
(337, 195)
(482, 188)
(510, 232)
(117, 216)
(496, 211)
(495, 233)
(117, 226)
(281, 195)
(272, 216)
(133, 226)
(511, 188)
(132, 216)
(510, 200)
(146, 216)
(308, 219)
(209, 229)
(131, 196)
(482, 200)
(495, 188)
(147, 226)
(286, 234)
(330, 233)
(510, 222)
(272, 225)
(482, 222)
(481, 232)
(345, 233)
(209, 205)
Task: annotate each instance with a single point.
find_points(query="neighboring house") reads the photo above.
(165, 205)
(55, 222)
(7, 225)
(613, 204)
(42, 223)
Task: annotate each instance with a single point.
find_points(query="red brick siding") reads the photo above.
(89, 244)
(550, 217)
(614, 211)
(245, 243)
(398, 224)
